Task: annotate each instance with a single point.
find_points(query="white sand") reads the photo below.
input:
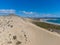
(16, 31)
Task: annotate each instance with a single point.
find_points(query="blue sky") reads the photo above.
(31, 8)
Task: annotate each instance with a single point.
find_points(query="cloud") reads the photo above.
(25, 12)
(7, 11)
(36, 14)
(29, 14)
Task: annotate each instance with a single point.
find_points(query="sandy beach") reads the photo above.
(17, 31)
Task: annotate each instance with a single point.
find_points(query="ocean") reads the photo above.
(56, 21)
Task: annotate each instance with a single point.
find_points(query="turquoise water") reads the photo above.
(57, 21)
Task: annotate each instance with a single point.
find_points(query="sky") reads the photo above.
(31, 8)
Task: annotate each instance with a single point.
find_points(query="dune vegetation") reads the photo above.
(47, 26)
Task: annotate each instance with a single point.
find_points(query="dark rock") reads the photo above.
(11, 26)
(18, 42)
(14, 37)
(9, 42)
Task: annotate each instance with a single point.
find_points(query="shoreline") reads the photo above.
(44, 20)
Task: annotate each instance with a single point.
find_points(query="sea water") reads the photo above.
(56, 21)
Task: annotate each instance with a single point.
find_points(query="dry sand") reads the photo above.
(15, 30)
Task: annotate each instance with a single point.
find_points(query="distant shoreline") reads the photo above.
(44, 20)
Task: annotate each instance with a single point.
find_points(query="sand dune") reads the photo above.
(15, 30)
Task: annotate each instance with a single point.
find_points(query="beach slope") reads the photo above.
(15, 30)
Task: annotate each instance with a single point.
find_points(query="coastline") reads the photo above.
(45, 21)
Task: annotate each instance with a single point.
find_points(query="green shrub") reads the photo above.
(47, 26)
